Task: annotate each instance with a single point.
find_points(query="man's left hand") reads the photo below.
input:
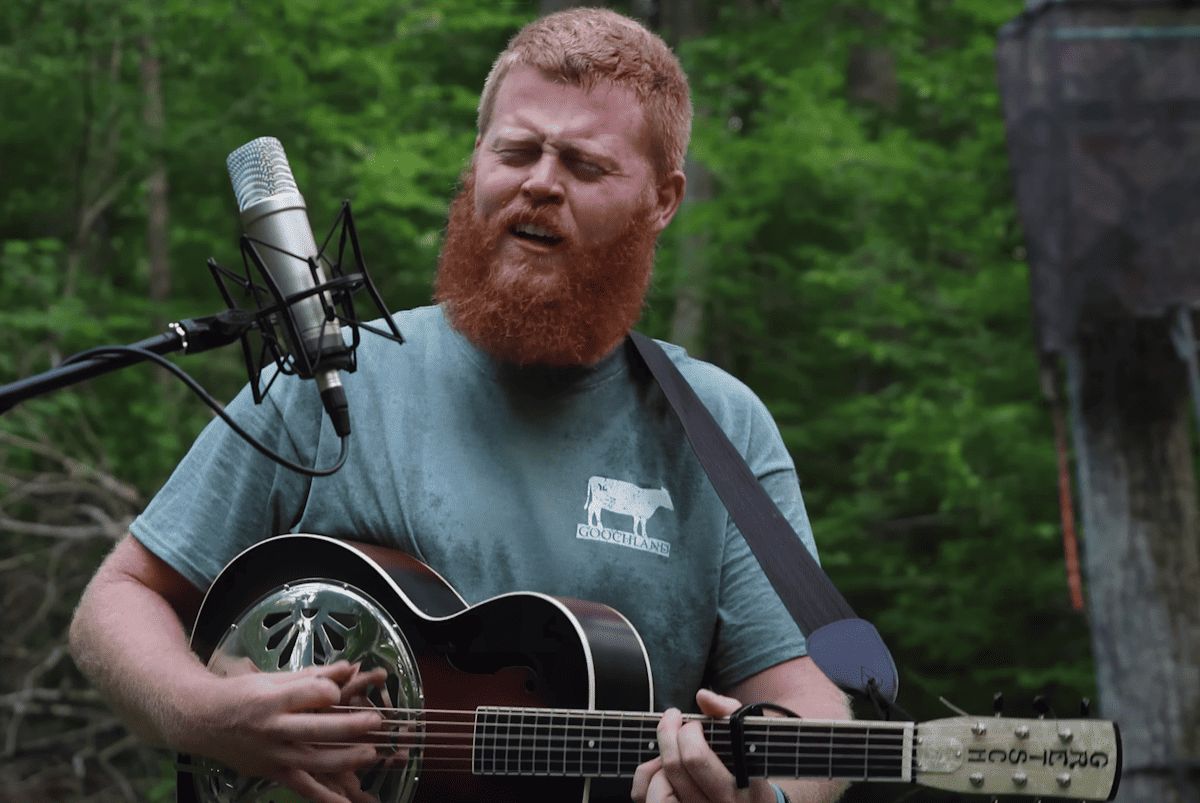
(687, 770)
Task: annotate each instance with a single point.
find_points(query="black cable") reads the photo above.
(207, 398)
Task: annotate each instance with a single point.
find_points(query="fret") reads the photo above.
(544, 746)
(768, 749)
(530, 732)
(756, 752)
(480, 746)
(553, 742)
(616, 765)
(528, 744)
(830, 774)
(560, 734)
(508, 732)
(495, 741)
(827, 749)
(866, 768)
(589, 759)
(598, 737)
(796, 750)
(650, 740)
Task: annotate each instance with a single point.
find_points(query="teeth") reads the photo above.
(536, 231)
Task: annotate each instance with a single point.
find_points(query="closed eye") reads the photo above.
(586, 170)
(518, 156)
(579, 164)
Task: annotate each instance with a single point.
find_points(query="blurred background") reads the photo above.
(849, 248)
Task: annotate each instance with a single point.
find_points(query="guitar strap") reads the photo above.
(848, 650)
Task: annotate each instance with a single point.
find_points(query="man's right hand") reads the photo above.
(275, 725)
(128, 637)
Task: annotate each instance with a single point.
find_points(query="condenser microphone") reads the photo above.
(275, 220)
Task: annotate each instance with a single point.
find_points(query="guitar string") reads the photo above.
(468, 741)
(624, 721)
(590, 770)
(820, 742)
(817, 741)
(581, 766)
(631, 728)
(529, 741)
(782, 766)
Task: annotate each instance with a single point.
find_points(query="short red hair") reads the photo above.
(585, 46)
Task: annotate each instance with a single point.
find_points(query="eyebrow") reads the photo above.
(566, 147)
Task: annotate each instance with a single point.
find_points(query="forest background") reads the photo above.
(855, 259)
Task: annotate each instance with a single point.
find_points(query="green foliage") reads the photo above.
(864, 277)
(373, 102)
(863, 281)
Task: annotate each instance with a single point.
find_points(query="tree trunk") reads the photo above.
(682, 20)
(97, 183)
(157, 244)
(1129, 394)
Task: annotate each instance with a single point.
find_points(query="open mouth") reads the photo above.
(535, 234)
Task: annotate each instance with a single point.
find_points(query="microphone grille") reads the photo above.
(258, 170)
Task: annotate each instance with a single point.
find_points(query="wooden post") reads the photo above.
(1132, 425)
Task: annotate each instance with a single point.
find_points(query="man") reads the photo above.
(488, 446)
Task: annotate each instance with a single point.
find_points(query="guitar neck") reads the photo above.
(560, 742)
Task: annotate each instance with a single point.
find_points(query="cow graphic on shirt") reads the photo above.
(624, 498)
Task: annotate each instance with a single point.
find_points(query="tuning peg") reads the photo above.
(1041, 705)
(1085, 708)
(998, 703)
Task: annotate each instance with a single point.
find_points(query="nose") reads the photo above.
(544, 182)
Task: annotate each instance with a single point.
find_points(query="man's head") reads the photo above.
(584, 47)
(550, 245)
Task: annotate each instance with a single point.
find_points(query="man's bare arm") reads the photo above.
(128, 638)
(799, 685)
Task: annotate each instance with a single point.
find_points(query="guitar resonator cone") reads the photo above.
(313, 623)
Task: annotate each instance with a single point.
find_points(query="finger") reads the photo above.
(676, 774)
(339, 672)
(325, 727)
(703, 767)
(348, 784)
(309, 788)
(360, 795)
(312, 694)
(327, 761)
(661, 791)
(358, 685)
(716, 705)
(641, 778)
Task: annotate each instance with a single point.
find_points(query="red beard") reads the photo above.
(527, 318)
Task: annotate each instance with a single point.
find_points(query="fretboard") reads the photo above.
(562, 742)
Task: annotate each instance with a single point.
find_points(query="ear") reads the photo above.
(668, 195)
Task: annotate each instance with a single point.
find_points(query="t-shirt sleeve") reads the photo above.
(754, 629)
(225, 496)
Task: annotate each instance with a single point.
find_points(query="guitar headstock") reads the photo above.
(1078, 759)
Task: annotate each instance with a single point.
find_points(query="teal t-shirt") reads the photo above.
(576, 482)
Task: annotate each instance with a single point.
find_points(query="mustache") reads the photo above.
(519, 213)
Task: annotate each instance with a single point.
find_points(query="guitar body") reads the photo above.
(299, 600)
(526, 697)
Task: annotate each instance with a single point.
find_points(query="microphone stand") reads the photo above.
(190, 336)
(201, 334)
